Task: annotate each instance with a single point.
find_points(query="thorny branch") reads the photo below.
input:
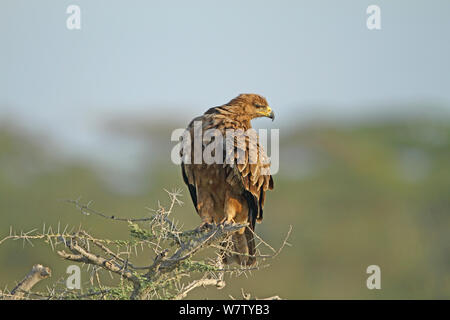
(158, 235)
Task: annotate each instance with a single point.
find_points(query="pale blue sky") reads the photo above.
(307, 57)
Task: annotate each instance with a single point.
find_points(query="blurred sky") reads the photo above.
(308, 58)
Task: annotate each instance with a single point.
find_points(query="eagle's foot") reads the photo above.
(226, 222)
(204, 226)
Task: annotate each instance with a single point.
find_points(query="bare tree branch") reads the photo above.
(37, 273)
(160, 238)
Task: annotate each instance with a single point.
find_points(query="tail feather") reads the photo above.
(244, 245)
(251, 246)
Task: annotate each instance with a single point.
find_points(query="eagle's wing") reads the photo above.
(248, 167)
(187, 169)
(247, 170)
(190, 182)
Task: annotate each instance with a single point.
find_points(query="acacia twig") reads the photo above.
(219, 283)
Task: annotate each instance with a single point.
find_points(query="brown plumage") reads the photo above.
(234, 189)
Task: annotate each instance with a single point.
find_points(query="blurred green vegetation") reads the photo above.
(356, 194)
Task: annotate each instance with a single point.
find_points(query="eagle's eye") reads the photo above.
(259, 106)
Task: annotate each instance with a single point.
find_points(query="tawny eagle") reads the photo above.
(232, 190)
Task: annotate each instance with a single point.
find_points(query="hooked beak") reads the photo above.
(267, 112)
(270, 114)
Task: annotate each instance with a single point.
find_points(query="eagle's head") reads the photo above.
(251, 105)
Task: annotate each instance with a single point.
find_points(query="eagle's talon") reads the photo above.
(204, 226)
(225, 222)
